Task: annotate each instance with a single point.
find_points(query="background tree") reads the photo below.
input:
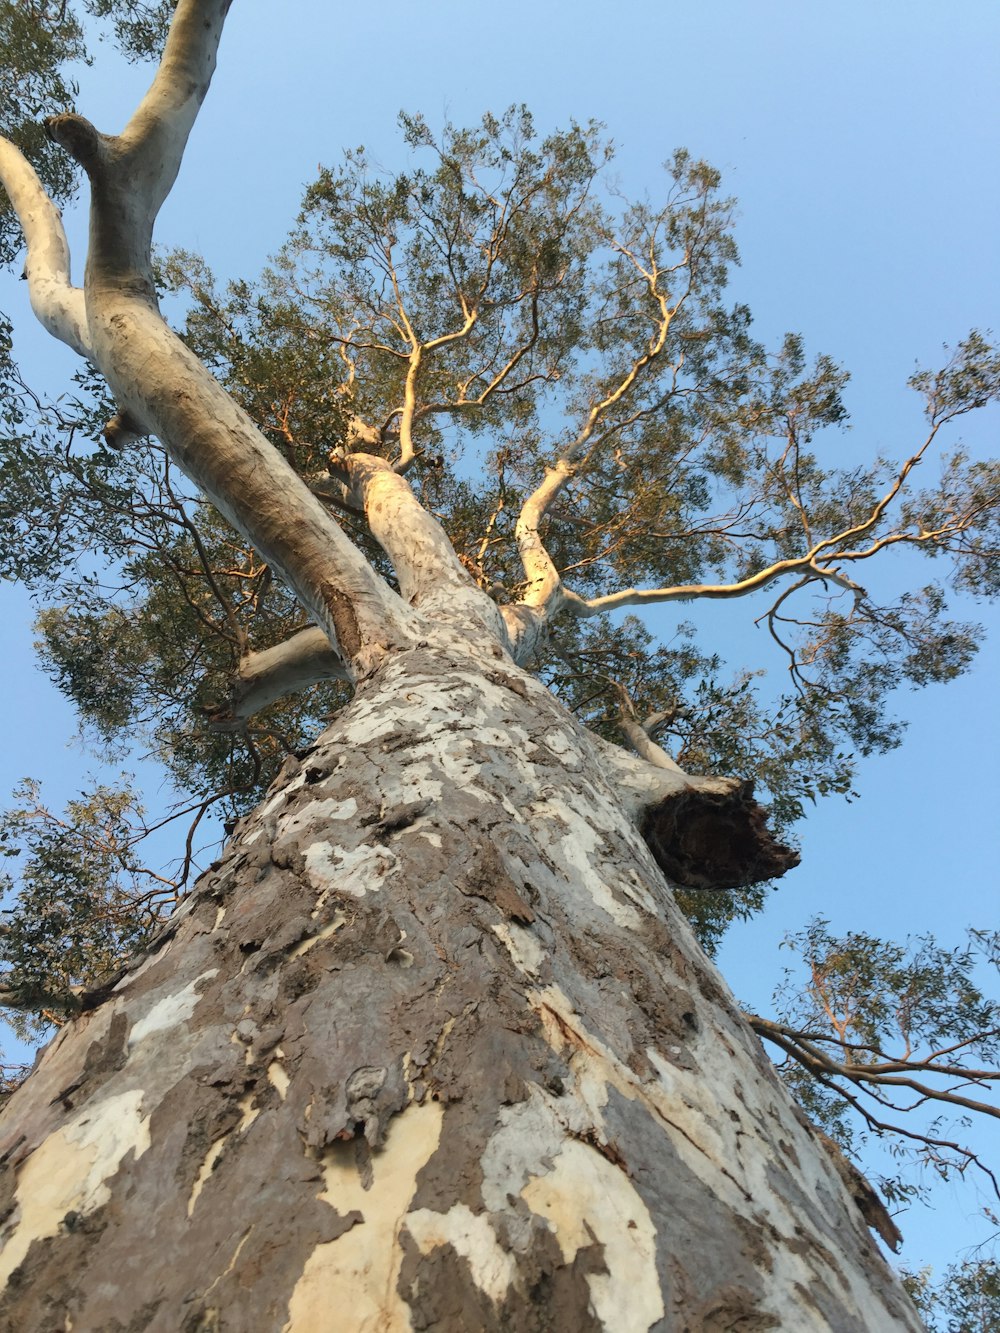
(725, 370)
(966, 1298)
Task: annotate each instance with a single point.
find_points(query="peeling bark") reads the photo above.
(430, 1047)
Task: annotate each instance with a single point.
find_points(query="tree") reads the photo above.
(437, 968)
(967, 1299)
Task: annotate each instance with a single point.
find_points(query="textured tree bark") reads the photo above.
(430, 1047)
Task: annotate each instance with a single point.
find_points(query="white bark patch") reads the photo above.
(311, 941)
(579, 848)
(205, 1170)
(275, 803)
(585, 1198)
(560, 744)
(359, 1270)
(687, 1108)
(249, 1112)
(315, 813)
(529, 1135)
(687, 1103)
(277, 1077)
(457, 755)
(356, 871)
(170, 1011)
(634, 888)
(67, 1172)
(525, 949)
(493, 1269)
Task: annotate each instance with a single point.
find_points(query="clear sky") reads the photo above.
(862, 140)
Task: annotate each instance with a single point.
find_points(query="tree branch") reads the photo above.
(156, 136)
(638, 734)
(263, 677)
(431, 576)
(690, 592)
(544, 584)
(811, 1057)
(58, 305)
(161, 386)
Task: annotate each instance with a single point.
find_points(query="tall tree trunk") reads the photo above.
(431, 1047)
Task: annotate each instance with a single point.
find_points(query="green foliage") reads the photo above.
(41, 42)
(879, 992)
(83, 900)
(139, 29)
(38, 39)
(894, 1042)
(492, 306)
(965, 1300)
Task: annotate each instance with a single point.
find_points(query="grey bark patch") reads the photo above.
(515, 683)
(442, 1295)
(487, 878)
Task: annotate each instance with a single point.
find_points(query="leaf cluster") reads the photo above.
(84, 900)
(898, 1042)
(966, 1299)
(42, 44)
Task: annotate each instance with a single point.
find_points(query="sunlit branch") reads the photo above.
(407, 451)
(58, 305)
(204, 430)
(268, 675)
(848, 534)
(692, 591)
(431, 577)
(543, 581)
(871, 1075)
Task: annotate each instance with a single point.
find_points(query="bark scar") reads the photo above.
(711, 840)
(345, 621)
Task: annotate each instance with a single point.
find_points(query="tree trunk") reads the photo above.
(431, 1047)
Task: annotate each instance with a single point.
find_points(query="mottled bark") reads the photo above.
(431, 1047)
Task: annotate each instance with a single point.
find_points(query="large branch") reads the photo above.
(134, 171)
(431, 577)
(157, 134)
(689, 592)
(818, 563)
(543, 580)
(163, 389)
(263, 677)
(644, 745)
(58, 305)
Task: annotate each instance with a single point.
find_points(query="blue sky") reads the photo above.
(861, 139)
